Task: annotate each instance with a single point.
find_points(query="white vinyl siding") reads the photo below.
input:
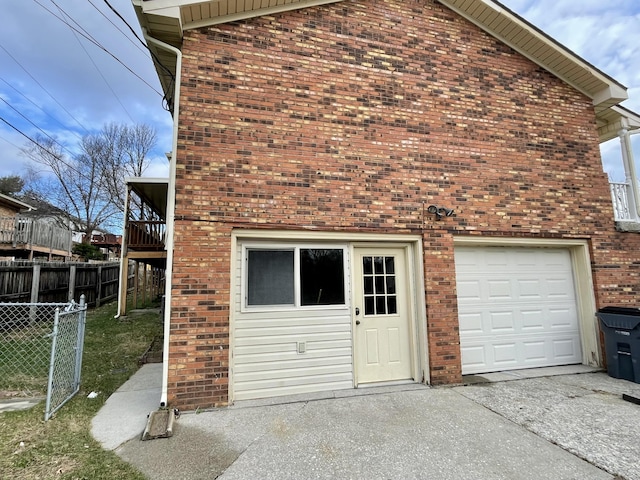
(517, 308)
(289, 350)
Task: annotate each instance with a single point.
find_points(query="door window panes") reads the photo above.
(379, 283)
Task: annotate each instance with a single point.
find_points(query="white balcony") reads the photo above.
(624, 210)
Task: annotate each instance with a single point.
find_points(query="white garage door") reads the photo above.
(517, 308)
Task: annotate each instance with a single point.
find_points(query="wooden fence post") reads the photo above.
(99, 286)
(35, 283)
(72, 282)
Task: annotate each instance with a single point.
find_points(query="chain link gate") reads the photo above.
(66, 356)
(41, 348)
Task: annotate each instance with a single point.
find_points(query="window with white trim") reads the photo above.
(296, 276)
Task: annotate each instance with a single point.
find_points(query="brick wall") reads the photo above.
(355, 117)
(7, 211)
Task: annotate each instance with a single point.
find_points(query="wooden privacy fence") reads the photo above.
(44, 282)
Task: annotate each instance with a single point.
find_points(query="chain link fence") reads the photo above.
(41, 350)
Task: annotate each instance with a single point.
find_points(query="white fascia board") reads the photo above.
(166, 8)
(612, 94)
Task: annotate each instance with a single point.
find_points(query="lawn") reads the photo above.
(63, 447)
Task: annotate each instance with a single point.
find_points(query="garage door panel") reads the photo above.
(534, 351)
(532, 320)
(566, 348)
(505, 354)
(562, 318)
(471, 323)
(499, 289)
(502, 322)
(469, 291)
(517, 308)
(474, 356)
(560, 289)
(529, 289)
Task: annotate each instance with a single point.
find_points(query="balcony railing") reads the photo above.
(146, 235)
(27, 233)
(621, 196)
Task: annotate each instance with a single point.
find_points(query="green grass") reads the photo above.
(63, 447)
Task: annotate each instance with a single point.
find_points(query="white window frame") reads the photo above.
(295, 247)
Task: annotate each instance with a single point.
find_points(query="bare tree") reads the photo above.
(128, 147)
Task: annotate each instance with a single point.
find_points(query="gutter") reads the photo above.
(171, 206)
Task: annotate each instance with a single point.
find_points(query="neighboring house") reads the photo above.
(367, 192)
(10, 206)
(24, 234)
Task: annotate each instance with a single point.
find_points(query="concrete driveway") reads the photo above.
(557, 427)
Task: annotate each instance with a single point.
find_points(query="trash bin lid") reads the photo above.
(621, 311)
(624, 318)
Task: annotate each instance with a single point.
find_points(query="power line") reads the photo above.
(140, 40)
(39, 107)
(45, 90)
(28, 120)
(155, 58)
(101, 47)
(143, 50)
(45, 149)
(62, 12)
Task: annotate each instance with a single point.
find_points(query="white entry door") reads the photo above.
(383, 347)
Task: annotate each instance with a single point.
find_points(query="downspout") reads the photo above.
(123, 248)
(171, 206)
(630, 169)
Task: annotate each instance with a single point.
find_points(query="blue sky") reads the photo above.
(66, 86)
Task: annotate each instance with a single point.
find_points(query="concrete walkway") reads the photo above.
(556, 427)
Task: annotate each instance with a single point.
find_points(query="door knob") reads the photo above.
(357, 322)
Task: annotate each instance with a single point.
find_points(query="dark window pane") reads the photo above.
(368, 306)
(367, 265)
(378, 265)
(391, 284)
(392, 306)
(380, 305)
(390, 264)
(322, 276)
(270, 277)
(368, 285)
(379, 284)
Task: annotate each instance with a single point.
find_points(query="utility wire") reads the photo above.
(45, 90)
(165, 99)
(45, 149)
(28, 120)
(101, 47)
(62, 12)
(143, 50)
(41, 109)
(141, 41)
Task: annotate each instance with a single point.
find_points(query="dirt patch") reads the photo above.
(7, 394)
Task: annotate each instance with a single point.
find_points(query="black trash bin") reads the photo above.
(621, 328)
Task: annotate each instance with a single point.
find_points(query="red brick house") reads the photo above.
(367, 192)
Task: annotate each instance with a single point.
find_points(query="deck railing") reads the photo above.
(621, 195)
(24, 232)
(146, 235)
